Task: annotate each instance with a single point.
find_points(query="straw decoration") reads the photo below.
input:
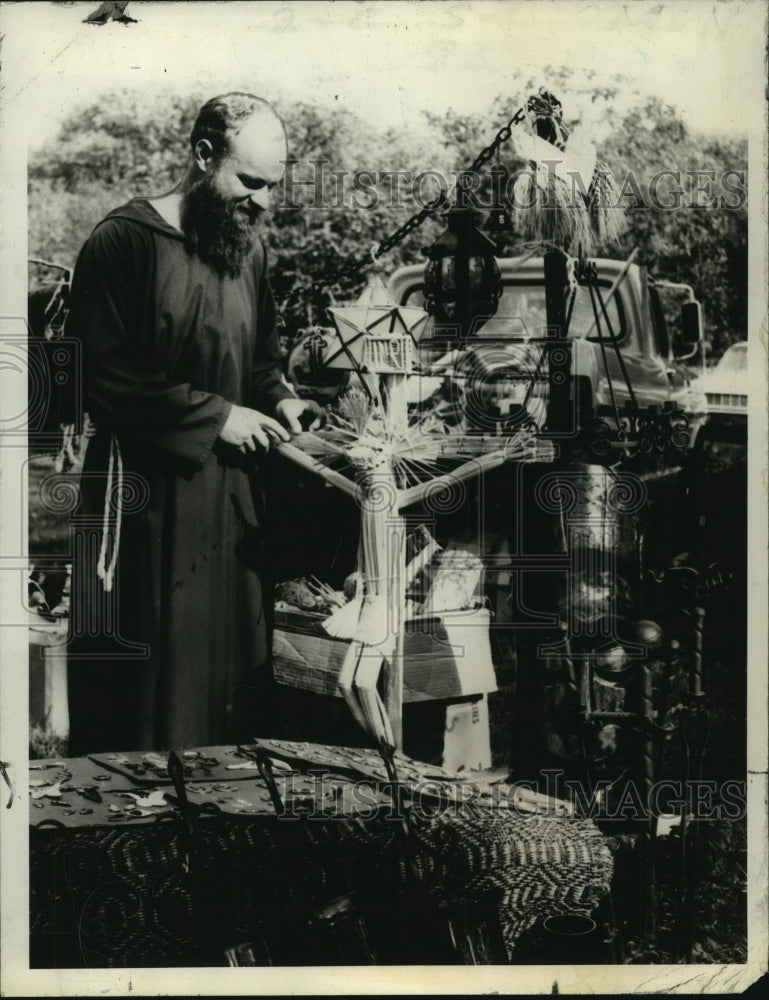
(546, 208)
(548, 204)
(393, 459)
(606, 215)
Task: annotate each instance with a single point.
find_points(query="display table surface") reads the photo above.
(120, 875)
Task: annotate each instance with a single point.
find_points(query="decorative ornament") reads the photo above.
(375, 335)
(654, 431)
(567, 197)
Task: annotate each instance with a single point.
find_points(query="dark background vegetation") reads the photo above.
(129, 143)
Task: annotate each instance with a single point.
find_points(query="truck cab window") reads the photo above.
(521, 313)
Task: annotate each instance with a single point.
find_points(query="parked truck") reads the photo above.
(635, 333)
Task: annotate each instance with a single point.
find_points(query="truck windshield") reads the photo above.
(521, 314)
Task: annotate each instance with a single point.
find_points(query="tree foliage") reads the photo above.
(702, 246)
(124, 146)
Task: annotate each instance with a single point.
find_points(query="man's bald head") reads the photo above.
(239, 152)
(222, 118)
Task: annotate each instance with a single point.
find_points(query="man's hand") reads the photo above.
(245, 428)
(300, 414)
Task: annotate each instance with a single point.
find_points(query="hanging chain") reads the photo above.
(502, 136)
(416, 220)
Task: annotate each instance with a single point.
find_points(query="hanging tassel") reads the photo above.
(549, 207)
(545, 209)
(606, 215)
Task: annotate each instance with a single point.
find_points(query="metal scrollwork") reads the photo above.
(653, 431)
(659, 431)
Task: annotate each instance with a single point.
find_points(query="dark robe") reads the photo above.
(175, 653)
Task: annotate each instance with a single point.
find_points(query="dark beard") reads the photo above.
(222, 237)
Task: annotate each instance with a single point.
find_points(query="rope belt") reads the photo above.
(106, 573)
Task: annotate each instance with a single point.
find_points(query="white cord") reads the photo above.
(106, 573)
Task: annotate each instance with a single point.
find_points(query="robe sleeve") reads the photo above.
(267, 385)
(123, 383)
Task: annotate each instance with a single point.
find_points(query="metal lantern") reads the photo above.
(462, 280)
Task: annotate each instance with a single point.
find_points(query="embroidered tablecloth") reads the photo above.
(122, 875)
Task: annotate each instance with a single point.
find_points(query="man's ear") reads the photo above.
(203, 154)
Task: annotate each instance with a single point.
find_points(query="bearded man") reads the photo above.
(172, 304)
